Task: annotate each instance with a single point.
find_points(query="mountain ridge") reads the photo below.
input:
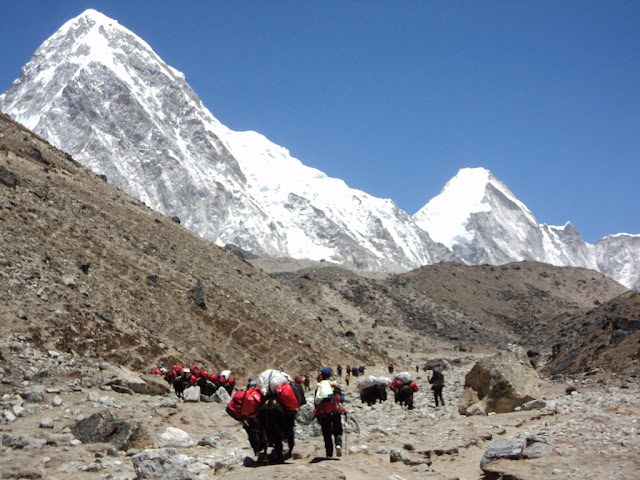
(126, 114)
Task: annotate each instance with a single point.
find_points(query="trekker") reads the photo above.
(437, 382)
(306, 382)
(328, 400)
(347, 379)
(339, 370)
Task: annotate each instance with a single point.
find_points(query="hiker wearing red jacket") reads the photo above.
(328, 400)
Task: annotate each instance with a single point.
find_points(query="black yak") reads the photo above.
(404, 396)
(370, 395)
(277, 424)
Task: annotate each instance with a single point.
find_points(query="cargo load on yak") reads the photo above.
(370, 381)
(251, 404)
(275, 383)
(402, 379)
(234, 408)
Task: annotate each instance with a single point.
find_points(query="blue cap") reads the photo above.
(326, 371)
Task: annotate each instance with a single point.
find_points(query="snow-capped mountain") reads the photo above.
(97, 91)
(618, 257)
(482, 221)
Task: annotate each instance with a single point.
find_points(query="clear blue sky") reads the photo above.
(394, 97)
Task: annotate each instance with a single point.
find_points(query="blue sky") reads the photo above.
(394, 97)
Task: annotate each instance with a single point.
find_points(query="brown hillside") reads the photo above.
(85, 268)
(608, 340)
(527, 302)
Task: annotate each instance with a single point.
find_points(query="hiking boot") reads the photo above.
(339, 450)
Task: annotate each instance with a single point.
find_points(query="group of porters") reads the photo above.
(268, 406)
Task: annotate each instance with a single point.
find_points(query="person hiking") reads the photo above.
(306, 382)
(347, 379)
(437, 382)
(328, 400)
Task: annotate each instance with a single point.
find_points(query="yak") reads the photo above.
(405, 396)
(277, 425)
(206, 387)
(373, 393)
(179, 385)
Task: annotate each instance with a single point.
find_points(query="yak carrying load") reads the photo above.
(404, 387)
(267, 410)
(373, 389)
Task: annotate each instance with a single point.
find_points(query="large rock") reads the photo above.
(500, 384)
(174, 437)
(116, 375)
(156, 385)
(105, 427)
(221, 396)
(510, 448)
(191, 394)
(163, 463)
(5, 352)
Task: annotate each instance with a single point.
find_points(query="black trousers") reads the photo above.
(254, 432)
(437, 394)
(331, 425)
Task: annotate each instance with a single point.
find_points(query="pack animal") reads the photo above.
(277, 425)
(404, 396)
(374, 393)
(179, 385)
(206, 387)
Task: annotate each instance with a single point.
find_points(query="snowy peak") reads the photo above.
(471, 191)
(112, 103)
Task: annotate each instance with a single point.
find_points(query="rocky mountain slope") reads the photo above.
(91, 278)
(607, 340)
(530, 303)
(90, 270)
(98, 91)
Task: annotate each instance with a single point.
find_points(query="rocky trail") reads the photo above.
(593, 431)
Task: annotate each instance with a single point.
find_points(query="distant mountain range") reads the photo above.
(97, 91)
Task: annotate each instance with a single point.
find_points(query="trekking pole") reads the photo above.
(345, 433)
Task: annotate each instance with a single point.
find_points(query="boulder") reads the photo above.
(174, 437)
(105, 427)
(163, 463)
(221, 396)
(399, 455)
(5, 352)
(510, 448)
(116, 375)
(537, 450)
(501, 382)
(192, 394)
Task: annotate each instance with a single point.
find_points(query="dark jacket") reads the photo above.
(437, 379)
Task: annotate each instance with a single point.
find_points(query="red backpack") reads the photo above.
(286, 397)
(252, 403)
(235, 405)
